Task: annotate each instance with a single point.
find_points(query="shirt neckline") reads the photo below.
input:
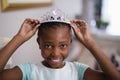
(54, 68)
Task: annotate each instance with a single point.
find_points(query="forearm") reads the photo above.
(9, 49)
(105, 63)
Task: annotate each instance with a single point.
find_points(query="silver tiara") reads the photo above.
(55, 15)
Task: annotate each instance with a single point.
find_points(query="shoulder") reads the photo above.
(26, 66)
(80, 68)
(26, 70)
(77, 64)
(30, 67)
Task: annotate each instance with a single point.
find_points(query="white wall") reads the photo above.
(11, 21)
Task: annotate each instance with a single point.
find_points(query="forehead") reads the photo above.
(53, 25)
(55, 35)
(60, 31)
(54, 31)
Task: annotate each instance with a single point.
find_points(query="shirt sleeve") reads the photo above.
(26, 71)
(81, 68)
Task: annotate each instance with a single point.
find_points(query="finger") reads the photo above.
(27, 20)
(36, 27)
(35, 22)
(31, 22)
(76, 30)
(74, 26)
(82, 24)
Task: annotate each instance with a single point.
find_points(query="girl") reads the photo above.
(54, 39)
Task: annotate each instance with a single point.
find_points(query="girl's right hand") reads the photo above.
(28, 28)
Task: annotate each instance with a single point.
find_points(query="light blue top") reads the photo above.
(71, 71)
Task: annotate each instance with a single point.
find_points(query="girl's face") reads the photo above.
(54, 45)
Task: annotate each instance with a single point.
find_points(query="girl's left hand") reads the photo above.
(81, 31)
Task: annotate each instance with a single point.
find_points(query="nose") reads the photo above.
(56, 51)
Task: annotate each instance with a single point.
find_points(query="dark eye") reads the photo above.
(48, 46)
(63, 46)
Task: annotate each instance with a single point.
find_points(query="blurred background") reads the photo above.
(102, 17)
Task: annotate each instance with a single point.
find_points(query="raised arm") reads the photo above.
(27, 30)
(109, 70)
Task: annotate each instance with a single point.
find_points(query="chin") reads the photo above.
(53, 64)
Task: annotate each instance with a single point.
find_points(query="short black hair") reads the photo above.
(53, 25)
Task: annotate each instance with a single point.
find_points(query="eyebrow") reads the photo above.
(49, 42)
(64, 42)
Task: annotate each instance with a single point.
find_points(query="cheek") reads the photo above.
(45, 53)
(65, 53)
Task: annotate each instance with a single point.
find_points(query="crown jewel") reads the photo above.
(55, 15)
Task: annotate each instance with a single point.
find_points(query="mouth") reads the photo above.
(55, 62)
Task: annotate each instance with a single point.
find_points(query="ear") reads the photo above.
(38, 41)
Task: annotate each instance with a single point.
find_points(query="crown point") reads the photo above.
(55, 15)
